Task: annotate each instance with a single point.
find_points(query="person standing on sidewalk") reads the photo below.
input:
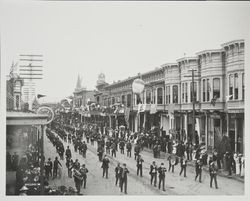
(55, 167)
(50, 167)
(171, 162)
(153, 173)
(84, 149)
(129, 148)
(113, 149)
(183, 163)
(139, 165)
(213, 174)
(77, 179)
(122, 145)
(162, 170)
(68, 153)
(124, 178)
(137, 150)
(83, 170)
(118, 174)
(100, 152)
(105, 166)
(198, 169)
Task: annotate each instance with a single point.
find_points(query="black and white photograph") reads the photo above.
(123, 98)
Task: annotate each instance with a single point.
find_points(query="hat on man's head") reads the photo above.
(24, 188)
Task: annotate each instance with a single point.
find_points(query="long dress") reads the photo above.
(242, 167)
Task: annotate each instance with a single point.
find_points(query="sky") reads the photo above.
(119, 39)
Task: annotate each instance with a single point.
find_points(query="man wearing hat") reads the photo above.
(84, 171)
(105, 166)
(213, 174)
(183, 163)
(161, 171)
(124, 178)
(68, 153)
(153, 173)
(55, 167)
(139, 165)
(198, 169)
(23, 191)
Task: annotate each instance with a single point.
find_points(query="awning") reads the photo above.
(25, 118)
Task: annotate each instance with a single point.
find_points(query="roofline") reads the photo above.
(209, 51)
(232, 42)
(169, 64)
(187, 58)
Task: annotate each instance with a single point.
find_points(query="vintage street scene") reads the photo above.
(124, 98)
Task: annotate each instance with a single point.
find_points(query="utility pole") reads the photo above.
(30, 72)
(193, 102)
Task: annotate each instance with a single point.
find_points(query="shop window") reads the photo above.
(243, 86)
(175, 94)
(231, 78)
(97, 99)
(123, 100)
(159, 96)
(129, 97)
(186, 93)
(236, 86)
(148, 97)
(183, 93)
(208, 90)
(168, 95)
(113, 101)
(17, 102)
(193, 90)
(216, 88)
(154, 96)
(204, 90)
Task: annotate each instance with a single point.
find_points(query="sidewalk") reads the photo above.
(221, 172)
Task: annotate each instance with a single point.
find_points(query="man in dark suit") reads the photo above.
(129, 147)
(113, 149)
(139, 165)
(55, 167)
(124, 178)
(68, 153)
(161, 171)
(117, 174)
(198, 169)
(213, 174)
(153, 173)
(84, 171)
(84, 149)
(105, 166)
(183, 163)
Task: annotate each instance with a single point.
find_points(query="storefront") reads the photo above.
(24, 131)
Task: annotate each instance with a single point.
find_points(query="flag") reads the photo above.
(213, 100)
(228, 97)
(153, 109)
(40, 96)
(127, 112)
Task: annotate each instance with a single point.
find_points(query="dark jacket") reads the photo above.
(105, 163)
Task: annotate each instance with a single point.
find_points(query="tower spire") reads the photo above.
(78, 83)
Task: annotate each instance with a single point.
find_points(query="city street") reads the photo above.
(96, 185)
(175, 184)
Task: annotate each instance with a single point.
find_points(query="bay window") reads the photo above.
(175, 94)
(159, 96)
(216, 88)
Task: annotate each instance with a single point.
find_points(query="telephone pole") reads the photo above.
(30, 72)
(193, 102)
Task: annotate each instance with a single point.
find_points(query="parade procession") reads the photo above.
(176, 129)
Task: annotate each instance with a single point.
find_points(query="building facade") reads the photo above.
(171, 98)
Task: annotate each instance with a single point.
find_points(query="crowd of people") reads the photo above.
(108, 142)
